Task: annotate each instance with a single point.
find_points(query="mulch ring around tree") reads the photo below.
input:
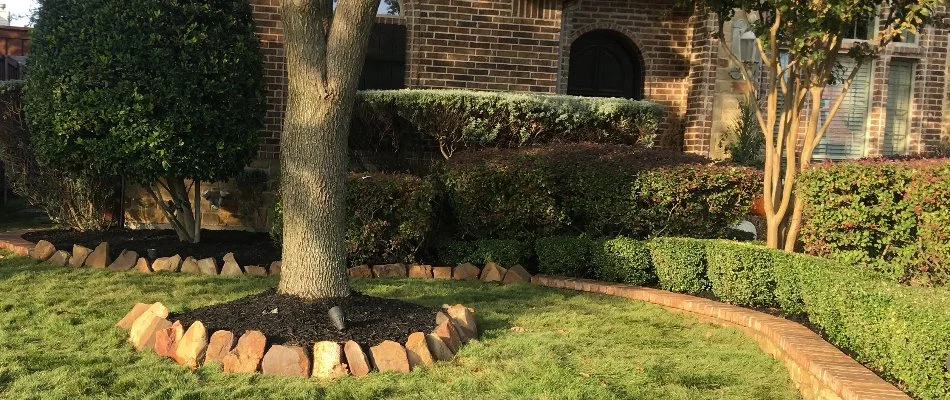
(249, 248)
(291, 320)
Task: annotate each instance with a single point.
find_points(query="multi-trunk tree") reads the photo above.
(156, 91)
(325, 46)
(801, 43)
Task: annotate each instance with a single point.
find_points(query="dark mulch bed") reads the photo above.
(249, 248)
(370, 320)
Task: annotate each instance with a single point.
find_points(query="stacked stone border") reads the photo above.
(150, 330)
(820, 370)
(44, 251)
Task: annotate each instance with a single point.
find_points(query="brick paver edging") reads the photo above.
(819, 369)
(13, 242)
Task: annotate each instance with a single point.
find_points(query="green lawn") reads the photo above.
(57, 341)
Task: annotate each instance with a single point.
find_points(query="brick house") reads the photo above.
(625, 48)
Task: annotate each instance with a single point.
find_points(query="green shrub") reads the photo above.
(156, 92)
(594, 189)
(890, 216)
(505, 252)
(680, 264)
(146, 89)
(452, 120)
(78, 199)
(902, 332)
(694, 201)
(495, 200)
(454, 252)
(564, 255)
(744, 139)
(929, 192)
(389, 217)
(740, 273)
(622, 260)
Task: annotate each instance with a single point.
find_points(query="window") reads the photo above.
(862, 29)
(389, 7)
(845, 137)
(385, 65)
(900, 78)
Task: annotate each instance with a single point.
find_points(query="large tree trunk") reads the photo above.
(324, 60)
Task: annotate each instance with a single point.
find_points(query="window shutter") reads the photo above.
(846, 136)
(900, 77)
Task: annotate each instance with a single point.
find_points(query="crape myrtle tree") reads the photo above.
(156, 91)
(800, 42)
(325, 49)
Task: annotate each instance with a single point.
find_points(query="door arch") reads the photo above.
(604, 63)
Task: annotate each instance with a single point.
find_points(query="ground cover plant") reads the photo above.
(57, 340)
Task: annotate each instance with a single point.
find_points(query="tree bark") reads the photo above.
(178, 209)
(324, 60)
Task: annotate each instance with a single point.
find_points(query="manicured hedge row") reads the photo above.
(502, 251)
(893, 216)
(600, 190)
(452, 120)
(900, 331)
(388, 218)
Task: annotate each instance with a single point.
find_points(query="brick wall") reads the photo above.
(928, 94)
(509, 45)
(267, 18)
(664, 37)
(14, 40)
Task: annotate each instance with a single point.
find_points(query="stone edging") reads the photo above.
(820, 370)
(149, 329)
(44, 251)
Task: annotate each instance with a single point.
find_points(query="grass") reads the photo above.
(17, 214)
(57, 341)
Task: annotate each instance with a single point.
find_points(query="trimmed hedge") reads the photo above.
(740, 273)
(899, 331)
(564, 255)
(680, 264)
(892, 216)
(388, 218)
(902, 332)
(595, 189)
(505, 252)
(452, 120)
(623, 260)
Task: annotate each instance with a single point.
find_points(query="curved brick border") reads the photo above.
(15, 243)
(820, 370)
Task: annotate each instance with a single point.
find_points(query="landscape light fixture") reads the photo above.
(336, 316)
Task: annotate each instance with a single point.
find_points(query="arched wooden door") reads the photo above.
(605, 64)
